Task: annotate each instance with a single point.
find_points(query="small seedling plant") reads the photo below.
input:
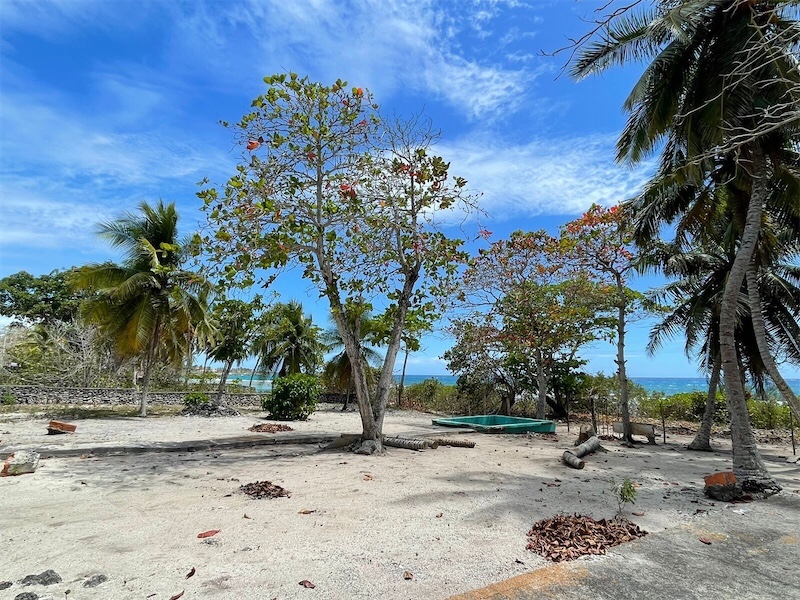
(624, 493)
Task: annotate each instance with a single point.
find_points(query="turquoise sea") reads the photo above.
(666, 385)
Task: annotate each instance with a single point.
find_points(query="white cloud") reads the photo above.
(386, 46)
(544, 176)
(43, 137)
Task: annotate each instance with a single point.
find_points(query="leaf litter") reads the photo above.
(269, 428)
(566, 537)
(264, 489)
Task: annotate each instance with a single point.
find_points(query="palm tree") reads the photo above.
(700, 274)
(687, 102)
(338, 370)
(288, 343)
(235, 321)
(145, 303)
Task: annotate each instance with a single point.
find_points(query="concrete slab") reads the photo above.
(753, 554)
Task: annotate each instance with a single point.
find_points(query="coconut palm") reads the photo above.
(699, 282)
(687, 102)
(288, 342)
(235, 322)
(338, 370)
(146, 303)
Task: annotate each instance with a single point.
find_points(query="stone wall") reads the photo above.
(31, 394)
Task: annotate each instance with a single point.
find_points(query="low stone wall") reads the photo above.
(31, 394)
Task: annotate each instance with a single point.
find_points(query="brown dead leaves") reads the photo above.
(269, 428)
(565, 537)
(264, 489)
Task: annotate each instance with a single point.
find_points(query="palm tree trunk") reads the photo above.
(148, 366)
(627, 435)
(760, 331)
(253, 373)
(702, 441)
(747, 462)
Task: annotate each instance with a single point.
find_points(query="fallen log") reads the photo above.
(408, 444)
(569, 459)
(454, 443)
(572, 458)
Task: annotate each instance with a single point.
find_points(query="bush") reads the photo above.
(8, 399)
(293, 397)
(194, 399)
(433, 395)
(686, 406)
(768, 414)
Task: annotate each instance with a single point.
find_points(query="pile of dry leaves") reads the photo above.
(264, 489)
(269, 428)
(565, 537)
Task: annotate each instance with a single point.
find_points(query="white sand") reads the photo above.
(455, 518)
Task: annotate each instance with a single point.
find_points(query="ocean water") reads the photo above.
(665, 385)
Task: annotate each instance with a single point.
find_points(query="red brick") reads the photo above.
(722, 478)
(61, 426)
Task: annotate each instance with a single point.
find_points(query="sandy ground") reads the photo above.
(455, 518)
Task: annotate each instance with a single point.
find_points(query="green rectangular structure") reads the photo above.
(498, 424)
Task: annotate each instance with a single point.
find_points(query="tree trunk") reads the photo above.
(627, 435)
(702, 441)
(402, 381)
(760, 331)
(228, 365)
(541, 380)
(148, 367)
(572, 458)
(505, 405)
(593, 400)
(253, 374)
(747, 462)
(347, 398)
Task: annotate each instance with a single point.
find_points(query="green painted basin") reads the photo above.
(498, 424)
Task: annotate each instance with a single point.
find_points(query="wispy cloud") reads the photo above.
(544, 176)
(389, 47)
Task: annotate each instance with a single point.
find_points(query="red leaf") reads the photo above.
(190, 573)
(176, 596)
(307, 584)
(208, 533)
(706, 541)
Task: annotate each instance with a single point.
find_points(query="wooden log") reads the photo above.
(572, 458)
(587, 447)
(454, 443)
(408, 444)
(569, 459)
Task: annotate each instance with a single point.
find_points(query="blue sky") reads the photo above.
(104, 104)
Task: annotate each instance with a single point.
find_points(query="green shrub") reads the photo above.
(433, 395)
(686, 406)
(293, 397)
(768, 414)
(193, 399)
(8, 399)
